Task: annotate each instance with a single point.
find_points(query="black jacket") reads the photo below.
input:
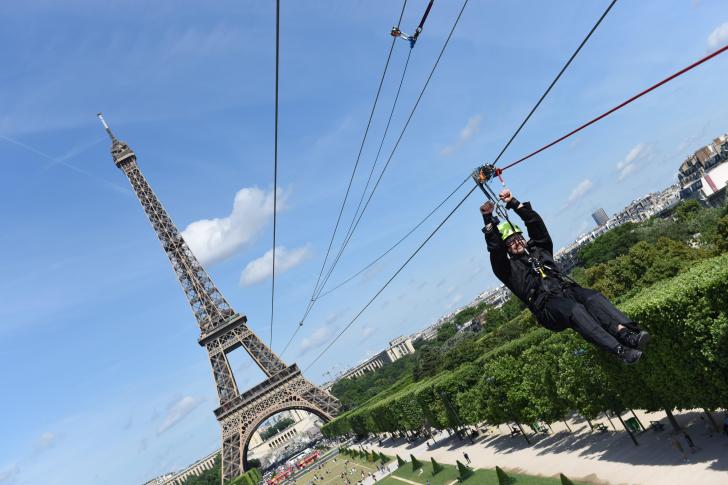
(517, 272)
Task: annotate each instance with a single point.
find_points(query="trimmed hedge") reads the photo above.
(543, 375)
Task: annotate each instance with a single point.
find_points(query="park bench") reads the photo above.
(539, 428)
(600, 427)
(515, 431)
(657, 426)
(633, 425)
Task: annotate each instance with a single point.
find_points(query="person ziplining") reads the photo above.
(528, 269)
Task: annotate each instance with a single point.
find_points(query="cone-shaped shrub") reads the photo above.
(503, 478)
(400, 461)
(372, 456)
(436, 467)
(383, 458)
(463, 471)
(565, 480)
(416, 464)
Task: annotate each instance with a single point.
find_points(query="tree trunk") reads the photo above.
(567, 426)
(629, 431)
(606, 413)
(523, 433)
(712, 421)
(673, 421)
(590, 425)
(638, 419)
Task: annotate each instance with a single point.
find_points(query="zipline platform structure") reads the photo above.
(222, 331)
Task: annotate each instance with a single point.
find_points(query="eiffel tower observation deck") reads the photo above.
(223, 330)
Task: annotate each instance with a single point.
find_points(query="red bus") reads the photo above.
(308, 459)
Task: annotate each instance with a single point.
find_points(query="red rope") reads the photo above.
(622, 105)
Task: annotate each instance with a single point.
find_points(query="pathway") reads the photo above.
(599, 458)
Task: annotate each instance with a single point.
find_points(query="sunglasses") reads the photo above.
(512, 241)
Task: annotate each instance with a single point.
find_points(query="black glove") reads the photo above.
(513, 203)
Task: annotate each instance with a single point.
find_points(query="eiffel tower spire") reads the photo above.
(222, 330)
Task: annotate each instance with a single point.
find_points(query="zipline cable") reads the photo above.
(275, 174)
(625, 103)
(619, 106)
(515, 134)
(356, 317)
(351, 180)
(394, 149)
(553, 83)
(391, 248)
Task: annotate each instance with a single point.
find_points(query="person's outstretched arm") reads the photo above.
(535, 226)
(498, 256)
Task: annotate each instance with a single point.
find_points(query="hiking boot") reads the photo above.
(629, 356)
(635, 340)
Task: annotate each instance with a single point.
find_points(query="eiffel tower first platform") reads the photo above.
(222, 330)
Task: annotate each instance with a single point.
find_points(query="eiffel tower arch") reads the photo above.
(222, 330)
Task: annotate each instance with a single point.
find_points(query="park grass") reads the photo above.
(335, 469)
(447, 475)
(450, 474)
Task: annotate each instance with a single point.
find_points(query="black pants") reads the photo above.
(588, 312)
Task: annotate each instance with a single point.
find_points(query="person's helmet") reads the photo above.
(507, 229)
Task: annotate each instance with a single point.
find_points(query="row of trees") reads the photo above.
(520, 372)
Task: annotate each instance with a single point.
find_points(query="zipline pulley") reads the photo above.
(412, 39)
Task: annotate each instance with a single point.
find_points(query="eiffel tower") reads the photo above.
(222, 330)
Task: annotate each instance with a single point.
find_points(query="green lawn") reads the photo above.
(450, 473)
(333, 477)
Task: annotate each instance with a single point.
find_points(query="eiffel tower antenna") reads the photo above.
(106, 127)
(222, 330)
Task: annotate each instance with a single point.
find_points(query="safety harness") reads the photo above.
(551, 280)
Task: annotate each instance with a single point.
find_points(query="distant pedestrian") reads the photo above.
(725, 424)
(467, 458)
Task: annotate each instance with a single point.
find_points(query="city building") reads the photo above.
(397, 349)
(206, 463)
(691, 171)
(714, 182)
(600, 217)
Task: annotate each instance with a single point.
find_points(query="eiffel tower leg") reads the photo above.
(232, 466)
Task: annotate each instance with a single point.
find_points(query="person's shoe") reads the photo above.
(635, 340)
(629, 356)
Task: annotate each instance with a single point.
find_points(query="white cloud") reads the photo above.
(579, 191)
(638, 153)
(213, 240)
(262, 268)
(471, 128)
(367, 331)
(719, 37)
(317, 339)
(7, 475)
(177, 411)
(45, 441)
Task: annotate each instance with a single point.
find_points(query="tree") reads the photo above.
(400, 461)
(722, 232)
(276, 428)
(564, 480)
(416, 464)
(609, 245)
(436, 467)
(463, 471)
(503, 478)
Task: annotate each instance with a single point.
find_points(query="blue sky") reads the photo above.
(103, 381)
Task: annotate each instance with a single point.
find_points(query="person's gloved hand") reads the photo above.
(487, 208)
(506, 196)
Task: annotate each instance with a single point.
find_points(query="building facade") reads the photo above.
(600, 217)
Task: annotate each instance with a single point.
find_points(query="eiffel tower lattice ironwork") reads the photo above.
(222, 331)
